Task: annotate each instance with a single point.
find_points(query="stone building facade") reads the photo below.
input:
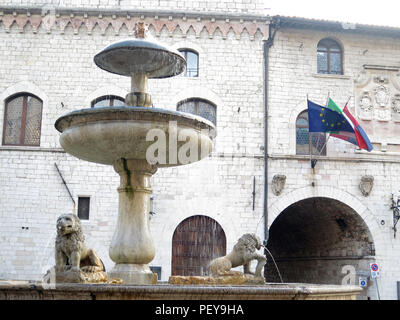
(323, 227)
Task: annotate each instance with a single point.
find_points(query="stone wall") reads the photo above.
(54, 60)
(293, 75)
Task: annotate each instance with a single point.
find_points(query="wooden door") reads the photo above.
(196, 241)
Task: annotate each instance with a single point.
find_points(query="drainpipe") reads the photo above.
(274, 24)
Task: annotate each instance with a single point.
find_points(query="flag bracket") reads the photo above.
(313, 163)
(396, 213)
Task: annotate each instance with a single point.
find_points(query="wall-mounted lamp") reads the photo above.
(396, 212)
(372, 248)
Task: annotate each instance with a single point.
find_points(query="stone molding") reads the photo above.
(277, 206)
(59, 23)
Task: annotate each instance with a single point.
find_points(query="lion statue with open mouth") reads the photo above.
(242, 254)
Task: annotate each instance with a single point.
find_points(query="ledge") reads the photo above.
(30, 149)
(12, 290)
(331, 76)
(375, 158)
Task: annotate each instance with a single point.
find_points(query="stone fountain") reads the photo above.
(119, 136)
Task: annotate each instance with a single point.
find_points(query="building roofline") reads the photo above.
(338, 26)
(132, 12)
(283, 21)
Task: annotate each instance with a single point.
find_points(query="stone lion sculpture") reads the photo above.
(71, 254)
(242, 253)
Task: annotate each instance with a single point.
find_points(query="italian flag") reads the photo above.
(358, 136)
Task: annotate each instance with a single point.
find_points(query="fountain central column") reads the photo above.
(132, 246)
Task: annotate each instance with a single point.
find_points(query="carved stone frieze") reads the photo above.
(85, 23)
(365, 105)
(382, 97)
(377, 93)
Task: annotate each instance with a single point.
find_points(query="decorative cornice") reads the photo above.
(59, 22)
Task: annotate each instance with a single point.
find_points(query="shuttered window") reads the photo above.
(108, 101)
(303, 138)
(192, 62)
(200, 107)
(22, 120)
(329, 57)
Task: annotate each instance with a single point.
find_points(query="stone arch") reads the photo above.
(286, 200)
(231, 227)
(299, 108)
(188, 45)
(23, 86)
(198, 92)
(316, 234)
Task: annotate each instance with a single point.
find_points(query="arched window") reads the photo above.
(22, 120)
(108, 101)
(200, 107)
(329, 56)
(303, 137)
(192, 62)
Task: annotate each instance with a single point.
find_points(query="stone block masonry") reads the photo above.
(56, 64)
(54, 61)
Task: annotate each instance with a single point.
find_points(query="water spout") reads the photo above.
(276, 266)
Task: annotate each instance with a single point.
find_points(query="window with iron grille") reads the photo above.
(329, 57)
(192, 62)
(83, 208)
(22, 120)
(108, 101)
(200, 107)
(303, 138)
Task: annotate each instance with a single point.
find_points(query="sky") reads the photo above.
(372, 12)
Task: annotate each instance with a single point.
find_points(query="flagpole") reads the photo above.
(309, 139)
(314, 162)
(326, 141)
(348, 101)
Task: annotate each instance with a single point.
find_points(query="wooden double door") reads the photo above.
(196, 241)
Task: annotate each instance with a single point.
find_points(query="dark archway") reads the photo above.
(196, 241)
(313, 239)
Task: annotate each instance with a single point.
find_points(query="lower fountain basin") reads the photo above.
(13, 290)
(104, 135)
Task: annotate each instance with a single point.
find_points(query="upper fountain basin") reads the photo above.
(162, 137)
(140, 56)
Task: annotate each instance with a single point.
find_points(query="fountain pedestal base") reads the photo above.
(133, 274)
(132, 245)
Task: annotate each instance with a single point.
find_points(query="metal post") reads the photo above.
(65, 184)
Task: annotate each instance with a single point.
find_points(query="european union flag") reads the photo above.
(323, 119)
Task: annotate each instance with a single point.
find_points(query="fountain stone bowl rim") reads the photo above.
(126, 123)
(67, 120)
(138, 44)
